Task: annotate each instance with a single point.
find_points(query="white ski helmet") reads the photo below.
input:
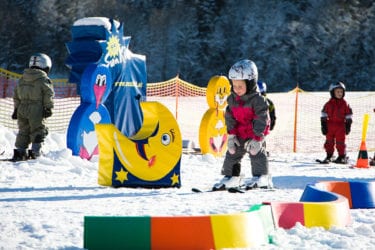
(244, 70)
(262, 87)
(40, 61)
(336, 85)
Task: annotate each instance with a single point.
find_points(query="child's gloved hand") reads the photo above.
(14, 115)
(272, 125)
(253, 146)
(232, 143)
(348, 125)
(47, 112)
(323, 122)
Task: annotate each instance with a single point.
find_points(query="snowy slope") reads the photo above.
(43, 202)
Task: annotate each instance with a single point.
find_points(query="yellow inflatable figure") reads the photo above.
(212, 130)
(149, 158)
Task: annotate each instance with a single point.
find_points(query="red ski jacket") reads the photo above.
(337, 110)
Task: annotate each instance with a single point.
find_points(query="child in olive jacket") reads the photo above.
(33, 102)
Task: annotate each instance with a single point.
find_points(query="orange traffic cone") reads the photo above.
(362, 161)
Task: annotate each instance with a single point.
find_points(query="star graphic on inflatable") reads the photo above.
(174, 179)
(113, 46)
(122, 175)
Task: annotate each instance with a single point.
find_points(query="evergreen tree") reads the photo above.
(307, 42)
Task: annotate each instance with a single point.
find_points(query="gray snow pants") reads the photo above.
(259, 162)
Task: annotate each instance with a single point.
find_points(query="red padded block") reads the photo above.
(194, 232)
(287, 214)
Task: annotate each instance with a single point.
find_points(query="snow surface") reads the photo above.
(43, 202)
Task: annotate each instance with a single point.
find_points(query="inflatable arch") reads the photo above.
(220, 231)
(324, 204)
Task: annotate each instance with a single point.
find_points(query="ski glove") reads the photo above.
(232, 143)
(348, 125)
(14, 115)
(323, 122)
(253, 147)
(47, 112)
(273, 122)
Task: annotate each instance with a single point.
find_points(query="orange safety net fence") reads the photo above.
(298, 117)
(66, 101)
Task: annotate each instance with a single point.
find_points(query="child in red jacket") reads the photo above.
(336, 120)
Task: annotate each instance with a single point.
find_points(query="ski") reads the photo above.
(244, 189)
(241, 189)
(11, 160)
(236, 190)
(7, 159)
(322, 161)
(329, 162)
(230, 190)
(197, 190)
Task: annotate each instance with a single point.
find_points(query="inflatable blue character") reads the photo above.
(139, 143)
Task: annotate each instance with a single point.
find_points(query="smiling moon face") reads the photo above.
(154, 150)
(218, 90)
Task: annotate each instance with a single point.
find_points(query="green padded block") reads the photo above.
(116, 232)
(265, 213)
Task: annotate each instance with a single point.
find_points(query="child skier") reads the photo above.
(247, 121)
(32, 104)
(336, 121)
(262, 87)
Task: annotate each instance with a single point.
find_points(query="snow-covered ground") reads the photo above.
(43, 202)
